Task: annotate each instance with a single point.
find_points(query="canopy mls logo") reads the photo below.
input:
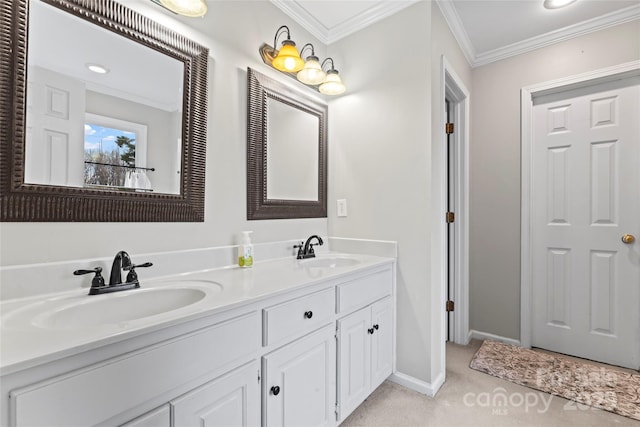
(593, 390)
(500, 402)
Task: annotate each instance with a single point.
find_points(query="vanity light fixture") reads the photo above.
(557, 4)
(97, 68)
(190, 8)
(309, 72)
(312, 73)
(288, 58)
(332, 84)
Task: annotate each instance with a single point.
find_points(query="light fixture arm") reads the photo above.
(279, 32)
(308, 45)
(325, 61)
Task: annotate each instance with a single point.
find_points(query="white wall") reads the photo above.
(495, 164)
(379, 160)
(233, 30)
(443, 44)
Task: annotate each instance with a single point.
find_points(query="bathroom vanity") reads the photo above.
(287, 342)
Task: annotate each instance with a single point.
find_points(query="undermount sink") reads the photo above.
(118, 308)
(329, 262)
(121, 308)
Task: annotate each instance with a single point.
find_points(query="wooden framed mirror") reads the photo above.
(45, 167)
(286, 151)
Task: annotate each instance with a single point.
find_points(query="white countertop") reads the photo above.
(26, 343)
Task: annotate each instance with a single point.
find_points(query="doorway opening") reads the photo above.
(455, 103)
(451, 173)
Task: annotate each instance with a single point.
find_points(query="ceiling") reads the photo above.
(135, 72)
(487, 30)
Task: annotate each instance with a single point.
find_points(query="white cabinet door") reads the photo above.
(365, 353)
(381, 341)
(300, 382)
(232, 400)
(354, 359)
(160, 417)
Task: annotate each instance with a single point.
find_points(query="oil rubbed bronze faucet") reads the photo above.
(306, 250)
(121, 262)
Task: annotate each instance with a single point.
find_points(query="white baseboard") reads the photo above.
(430, 389)
(478, 335)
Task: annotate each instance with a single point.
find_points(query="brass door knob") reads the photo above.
(628, 239)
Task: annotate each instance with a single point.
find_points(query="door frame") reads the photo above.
(528, 93)
(454, 90)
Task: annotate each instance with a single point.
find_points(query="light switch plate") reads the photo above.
(342, 207)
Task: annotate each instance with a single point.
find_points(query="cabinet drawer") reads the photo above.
(365, 290)
(92, 395)
(298, 316)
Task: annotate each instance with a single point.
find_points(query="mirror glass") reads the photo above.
(104, 115)
(286, 151)
(102, 111)
(292, 152)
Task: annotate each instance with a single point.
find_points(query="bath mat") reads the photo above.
(601, 387)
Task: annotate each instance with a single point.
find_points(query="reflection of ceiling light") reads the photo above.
(190, 8)
(99, 69)
(557, 4)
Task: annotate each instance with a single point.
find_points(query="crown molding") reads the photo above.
(330, 35)
(592, 25)
(459, 33)
(304, 18)
(483, 58)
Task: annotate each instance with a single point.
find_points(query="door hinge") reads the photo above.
(450, 217)
(448, 128)
(450, 305)
(259, 378)
(337, 410)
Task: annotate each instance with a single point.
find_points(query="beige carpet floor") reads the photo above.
(472, 398)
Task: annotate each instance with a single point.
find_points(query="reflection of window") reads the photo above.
(113, 149)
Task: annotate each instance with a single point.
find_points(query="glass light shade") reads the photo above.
(557, 4)
(288, 59)
(312, 73)
(332, 84)
(191, 8)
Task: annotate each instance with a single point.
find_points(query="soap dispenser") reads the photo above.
(245, 250)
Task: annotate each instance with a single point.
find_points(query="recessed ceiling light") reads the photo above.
(96, 68)
(557, 4)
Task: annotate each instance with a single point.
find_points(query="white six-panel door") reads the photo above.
(54, 129)
(585, 197)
